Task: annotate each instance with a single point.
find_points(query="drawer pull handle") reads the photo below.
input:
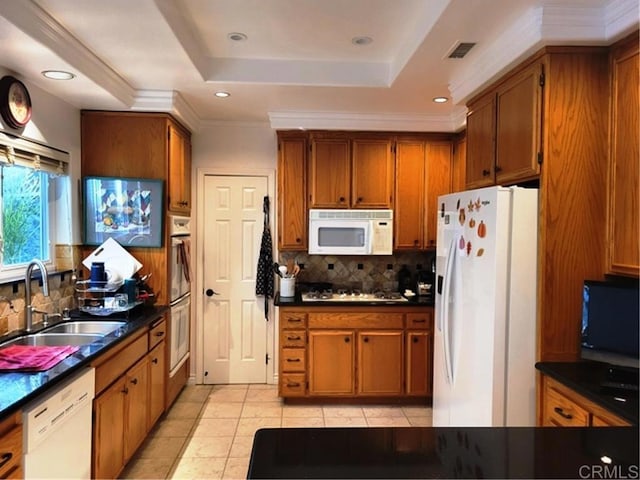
(159, 334)
(293, 385)
(560, 412)
(294, 320)
(419, 320)
(293, 359)
(293, 338)
(5, 458)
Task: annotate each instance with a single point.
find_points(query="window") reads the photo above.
(33, 195)
(25, 211)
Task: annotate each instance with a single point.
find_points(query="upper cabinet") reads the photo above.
(179, 180)
(623, 225)
(503, 131)
(350, 171)
(292, 191)
(144, 145)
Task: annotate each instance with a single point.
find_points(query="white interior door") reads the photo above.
(234, 327)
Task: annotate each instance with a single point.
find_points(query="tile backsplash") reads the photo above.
(367, 272)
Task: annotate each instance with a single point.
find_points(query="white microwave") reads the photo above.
(350, 232)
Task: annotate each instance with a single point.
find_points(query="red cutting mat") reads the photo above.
(27, 358)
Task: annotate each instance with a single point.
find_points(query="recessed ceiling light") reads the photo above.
(222, 94)
(361, 40)
(237, 36)
(58, 74)
(440, 99)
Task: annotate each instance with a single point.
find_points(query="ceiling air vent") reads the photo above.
(460, 50)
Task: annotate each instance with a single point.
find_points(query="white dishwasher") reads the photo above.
(57, 430)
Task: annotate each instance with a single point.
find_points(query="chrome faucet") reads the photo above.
(29, 309)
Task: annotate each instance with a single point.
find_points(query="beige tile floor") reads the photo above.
(208, 432)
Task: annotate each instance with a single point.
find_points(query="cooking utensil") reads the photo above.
(283, 270)
(276, 269)
(290, 265)
(296, 270)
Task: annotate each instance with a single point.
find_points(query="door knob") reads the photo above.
(210, 293)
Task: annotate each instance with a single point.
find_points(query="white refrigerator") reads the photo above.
(485, 308)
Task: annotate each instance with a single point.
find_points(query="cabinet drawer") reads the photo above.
(292, 385)
(118, 362)
(293, 360)
(562, 411)
(157, 333)
(293, 320)
(356, 320)
(420, 321)
(10, 451)
(293, 338)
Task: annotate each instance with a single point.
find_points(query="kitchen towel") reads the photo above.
(30, 358)
(184, 258)
(264, 279)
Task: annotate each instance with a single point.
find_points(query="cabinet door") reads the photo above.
(481, 128)
(459, 164)
(519, 121)
(419, 363)
(372, 173)
(623, 246)
(329, 173)
(408, 210)
(292, 194)
(380, 360)
(157, 383)
(136, 401)
(331, 362)
(108, 431)
(179, 181)
(438, 182)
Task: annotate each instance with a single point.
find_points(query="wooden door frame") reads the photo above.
(197, 259)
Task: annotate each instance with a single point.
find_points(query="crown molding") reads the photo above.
(169, 101)
(365, 121)
(38, 24)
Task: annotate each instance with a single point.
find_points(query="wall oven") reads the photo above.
(179, 291)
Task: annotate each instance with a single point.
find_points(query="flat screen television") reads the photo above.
(610, 319)
(129, 210)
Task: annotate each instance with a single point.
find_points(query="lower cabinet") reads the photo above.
(355, 352)
(11, 447)
(564, 407)
(130, 397)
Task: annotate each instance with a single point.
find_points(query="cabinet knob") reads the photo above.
(341, 199)
(346, 340)
(125, 390)
(366, 340)
(134, 381)
(359, 200)
(415, 340)
(498, 168)
(486, 173)
(155, 360)
(298, 240)
(560, 412)
(5, 458)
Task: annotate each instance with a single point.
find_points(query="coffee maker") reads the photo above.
(425, 281)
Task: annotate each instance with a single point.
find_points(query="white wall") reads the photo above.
(56, 124)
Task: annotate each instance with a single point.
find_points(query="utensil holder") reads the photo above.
(288, 287)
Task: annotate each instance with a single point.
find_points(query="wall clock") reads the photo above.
(15, 102)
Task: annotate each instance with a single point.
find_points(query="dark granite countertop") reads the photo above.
(296, 301)
(453, 452)
(586, 377)
(19, 388)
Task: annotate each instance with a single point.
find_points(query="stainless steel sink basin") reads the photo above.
(54, 339)
(86, 326)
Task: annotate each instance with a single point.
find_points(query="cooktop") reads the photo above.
(352, 296)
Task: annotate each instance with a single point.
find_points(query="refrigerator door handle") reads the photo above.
(444, 314)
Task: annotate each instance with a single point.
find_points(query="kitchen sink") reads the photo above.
(55, 339)
(85, 327)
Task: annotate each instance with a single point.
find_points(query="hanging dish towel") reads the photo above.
(264, 278)
(184, 258)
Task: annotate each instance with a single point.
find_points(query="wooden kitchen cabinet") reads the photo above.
(503, 128)
(564, 407)
(157, 383)
(179, 177)
(136, 398)
(372, 172)
(11, 447)
(623, 247)
(331, 362)
(330, 172)
(350, 171)
(459, 163)
(379, 371)
(108, 431)
(292, 192)
(419, 356)
(423, 172)
(354, 352)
